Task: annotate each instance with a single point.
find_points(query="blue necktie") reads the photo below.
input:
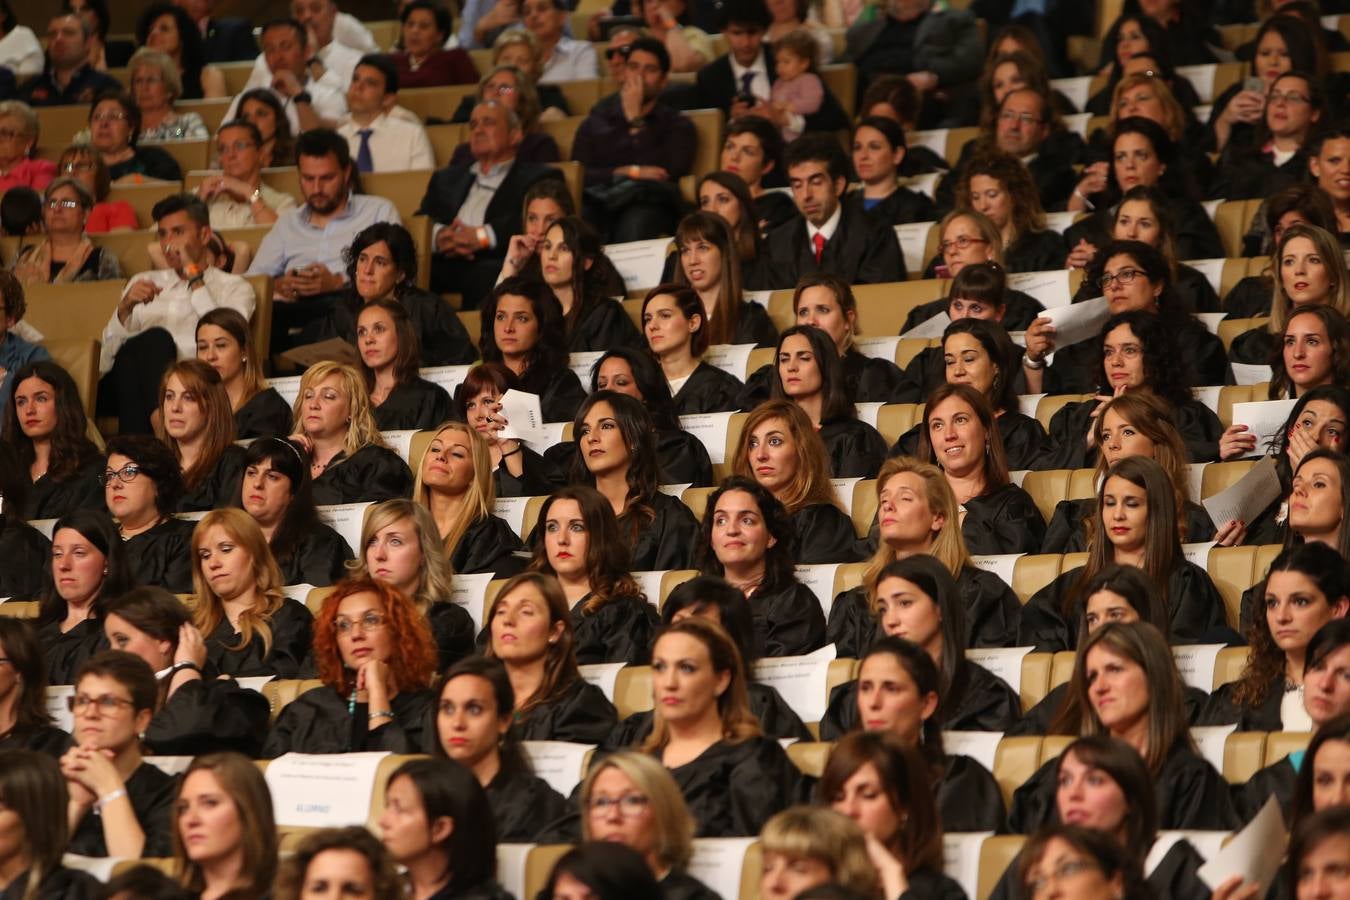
(747, 79)
(364, 163)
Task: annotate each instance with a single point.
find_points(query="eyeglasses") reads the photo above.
(1123, 277)
(369, 622)
(108, 117)
(964, 242)
(629, 805)
(127, 474)
(1024, 118)
(1292, 98)
(615, 52)
(236, 147)
(500, 89)
(1062, 872)
(77, 167)
(107, 704)
(62, 204)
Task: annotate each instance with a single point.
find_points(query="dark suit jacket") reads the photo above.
(861, 251)
(450, 186)
(229, 39)
(716, 87)
(947, 44)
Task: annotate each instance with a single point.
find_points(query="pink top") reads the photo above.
(111, 215)
(33, 173)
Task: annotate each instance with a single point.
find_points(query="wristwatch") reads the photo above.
(302, 97)
(255, 196)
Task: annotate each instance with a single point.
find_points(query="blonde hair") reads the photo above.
(810, 484)
(1175, 126)
(1327, 247)
(672, 822)
(267, 579)
(820, 833)
(161, 62)
(949, 547)
(983, 224)
(361, 429)
(434, 583)
(478, 497)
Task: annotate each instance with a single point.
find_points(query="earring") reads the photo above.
(105, 570)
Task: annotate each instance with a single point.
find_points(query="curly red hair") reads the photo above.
(414, 661)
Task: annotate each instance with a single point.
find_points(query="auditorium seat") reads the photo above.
(1231, 328)
(403, 189)
(882, 308)
(810, 756)
(864, 506)
(281, 691)
(633, 690)
(79, 357)
(1033, 572)
(1233, 216)
(19, 609)
(1061, 669)
(1047, 488)
(1035, 682)
(1053, 403)
(894, 419)
(996, 854)
(908, 348)
(314, 599)
(696, 498)
(1221, 475)
(1280, 744)
(1243, 755)
(1234, 393)
(1015, 761)
(848, 576)
(1229, 665)
(780, 309)
(670, 580)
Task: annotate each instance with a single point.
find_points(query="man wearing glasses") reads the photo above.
(68, 77)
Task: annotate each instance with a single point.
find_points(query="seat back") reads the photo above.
(1244, 753)
(1047, 488)
(282, 691)
(810, 756)
(1015, 761)
(633, 690)
(996, 854)
(1229, 665)
(1279, 744)
(1033, 572)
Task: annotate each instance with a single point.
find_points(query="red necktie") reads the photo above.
(818, 240)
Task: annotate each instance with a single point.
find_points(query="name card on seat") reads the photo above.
(560, 763)
(640, 263)
(913, 237)
(603, 676)
(730, 358)
(800, 679)
(1195, 662)
(820, 579)
(323, 790)
(961, 858)
(1005, 662)
(346, 519)
(719, 863)
(400, 442)
(448, 377)
(467, 591)
(711, 430)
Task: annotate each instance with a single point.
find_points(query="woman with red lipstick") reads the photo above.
(390, 361)
(1315, 351)
(523, 328)
(1282, 44)
(517, 471)
(224, 836)
(250, 627)
(47, 426)
(780, 449)
(197, 424)
(676, 330)
(225, 343)
(810, 375)
(454, 483)
(711, 265)
(572, 262)
(473, 727)
(531, 633)
(1125, 685)
(1136, 524)
(616, 454)
(586, 549)
(732, 777)
(1274, 155)
(878, 151)
(141, 485)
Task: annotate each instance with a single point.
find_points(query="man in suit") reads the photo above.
(739, 81)
(225, 40)
(829, 237)
(475, 209)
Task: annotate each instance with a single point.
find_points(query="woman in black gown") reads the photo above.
(1136, 524)
(197, 424)
(780, 449)
(732, 777)
(1282, 44)
(1001, 188)
(808, 847)
(250, 627)
(454, 483)
(335, 426)
(277, 492)
(1314, 350)
(827, 302)
(810, 375)
(1300, 204)
(517, 470)
(225, 343)
(473, 727)
(878, 151)
(1274, 154)
(531, 633)
(390, 361)
(918, 600)
(47, 426)
(24, 721)
(23, 548)
(31, 787)
(752, 150)
(677, 333)
(142, 484)
(375, 656)
(710, 264)
(1126, 685)
(224, 803)
(726, 194)
(583, 545)
(572, 262)
(523, 328)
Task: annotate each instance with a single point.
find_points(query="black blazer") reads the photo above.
(449, 187)
(861, 251)
(715, 88)
(229, 39)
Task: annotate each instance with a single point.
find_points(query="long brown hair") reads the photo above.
(203, 383)
(608, 560)
(244, 784)
(266, 577)
(233, 323)
(560, 666)
(710, 227)
(1149, 415)
(810, 484)
(995, 459)
(739, 724)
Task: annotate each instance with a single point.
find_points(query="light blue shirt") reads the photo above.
(15, 353)
(294, 242)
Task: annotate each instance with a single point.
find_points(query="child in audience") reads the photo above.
(798, 92)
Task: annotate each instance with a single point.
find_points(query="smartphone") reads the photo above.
(1254, 84)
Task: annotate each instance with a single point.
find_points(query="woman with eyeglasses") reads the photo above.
(1282, 44)
(25, 723)
(676, 329)
(66, 254)
(120, 805)
(375, 656)
(237, 197)
(1071, 857)
(114, 124)
(1275, 154)
(142, 484)
(46, 426)
(84, 165)
(32, 794)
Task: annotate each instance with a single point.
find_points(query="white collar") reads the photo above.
(828, 229)
(760, 66)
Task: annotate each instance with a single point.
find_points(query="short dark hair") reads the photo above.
(444, 22)
(245, 124)
(129, 109)
(401, 248)
(770, 138)
(655, 48)
(1330, 133)
(817, 147)
(751, 13)
(321, 142)
(185, 203)
(385, 66)
(157, 463)
(100, 10)
(20, 209)
(284, 22)
(128, 670)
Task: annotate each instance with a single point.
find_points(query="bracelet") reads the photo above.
(634, 171)
(481, 234)
(382, 714)
(185, 664)
(109, 798)
(1033, 364)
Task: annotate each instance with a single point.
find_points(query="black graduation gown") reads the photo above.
(440, 334)
(162, 556)
(869, 379)
(1194, 291)
(220, 487)
(488, 545)
(1024, 440)
(581, 714)
(370, 474)
(1247, 170)
(320, 558)
(901, 207)
(318, 722)
(733, 789)
(289, 656)
(65, 653)
(619, 631)
(524, 805)
(1174, 878)
(1196, 236)
(1191, 795)
(1040, 718)
(209, 716)
(538, 476)
(1251, 297)
(560, 392)
(772, 209)
(678, 885)
(416, 404)
(683, 459)
(1223, 709)
(968, 797)
(777, 720)
(987, 704)
(669, 541)
(1020, 308)
(1197, 426)
(59, 884)
(484, 890)
(152, 795)
(1036, 251)
(604, 325)
(1277, 779)
(788, 621)
(1067, 531)
(25, 552)
(1252, 347)
(1004, 520)
(926, 884)
(708, 389)
(264, 414)
(1075, 369)
(452, 630)
(856, 449)
(753, 326)
(51, 498)
(824, 535)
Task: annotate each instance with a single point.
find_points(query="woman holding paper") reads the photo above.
(401, 547)
(810, 375)
(572, 262)
(1136, 525)
(390, 361)
(780, 449)
(47, 427)
(224, 838)
(375, 656)
(454, 483)
(141, 485)
(517, 471)
(1125, 685)
(918, 600)
(348, 460)
(677, 332)
(826, 301)
(586, 548)
(1315, 351)
(278, 493)
(616, 454)
(531, 633)
(523, 328)
(732, 777)
(33, 792)
(197, 424)
(710, 264)
(918, 513)
(250, 627)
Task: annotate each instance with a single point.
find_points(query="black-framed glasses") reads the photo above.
(629, 805)
(107, 704)
(127, 474)
(1123, 277)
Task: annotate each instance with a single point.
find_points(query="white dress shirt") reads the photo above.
(396, 144)
(828, 229)
(759, 84)
(21, 53)
(328, 100)
(572, 60)
(348, 31)
(339, 62)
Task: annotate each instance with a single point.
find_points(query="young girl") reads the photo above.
(798, 92)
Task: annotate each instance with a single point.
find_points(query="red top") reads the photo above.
(33, 173)
(111, 215)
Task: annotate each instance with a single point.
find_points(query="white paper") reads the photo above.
(1195, 479)
(581, 363)
(1212, 269)
(254, 682)
(675, 490)
(1060, 221)
(522, 414)
(1332, 22)
(195, 515)
(288, 388)
(170, 765)
(323, 790)
(883, 347)
(547, 435)
(99, 867)
(1195, 662)
(913, 239)
(1211, 207)
(639, 262)
(760, 297)
(1027, 403)
(929, 328)
(512, 510)
(1001, 564)
(1017, 476)
(820, 579)
(46, 526)
(981, 746)
(448, 377)
(1210, 321)
(557, 762)
(733, 359)
(297, 592)
(843, 489)
(1078, 123)
(711, 430)
(1255, 852)
(1077, 91)
(1005, 662)
(926, 185)
(1210, 740)
(650, 584)
(718, 863)
(58, 707)
(1051, 288)
(1201, 78)
(934, 139)
(869, 412)
(468, 591)
(1197, 554)
(1250, 373)
(1249, 497)
(1264, 418)
(961, 858)
(511, 859)
(1078, 321)
(800, 679)
(603, 676)
(346, 519)
(400, 442)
